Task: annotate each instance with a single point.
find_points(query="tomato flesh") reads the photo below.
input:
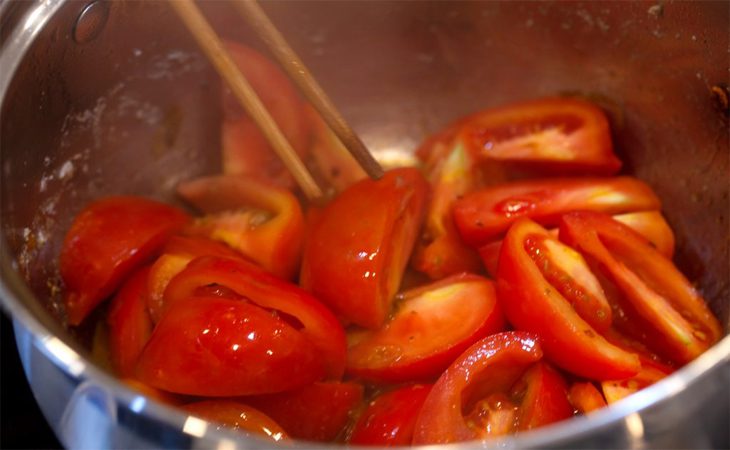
(356, 252)
(431, 326)
(107, 241)
(585, 397)
(390, 418)
(215, 347)
(237, 416)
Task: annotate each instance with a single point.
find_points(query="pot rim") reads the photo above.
(15, 295)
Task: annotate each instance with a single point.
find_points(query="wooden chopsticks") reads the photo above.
(241, 88)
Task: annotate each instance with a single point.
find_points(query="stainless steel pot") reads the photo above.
(113, 97)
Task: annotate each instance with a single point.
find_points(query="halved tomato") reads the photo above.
(544, 289)
(212, 346)
(553, 134)
(317, 412)
(237, 416)
(430, 327)
(256, 285)
(650, 224)
(483, 216)
(108, 240)
(390, 418)
(130, 325)
(358, 248)
(245, 150)
(652, 293)
(440, 252)
(263, 222)
(490, 366)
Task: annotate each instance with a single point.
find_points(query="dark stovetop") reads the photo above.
(21, 423)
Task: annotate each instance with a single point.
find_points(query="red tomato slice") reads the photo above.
(650, 224)
(238, 416)
(270, 292)
(108, 240)
(389, 419)
(211, 346)
(674, 317)
(332, 161)
(532, 303)
(489, 366)
(357, 250)
(259, 220)
(544, 397)
(317, 412)
(430, 327)
(564, 134)
(130, 325)
(245, 150)
(440, 251)
(178, 252)
(615, 390)
(483, 216)
(585, 397)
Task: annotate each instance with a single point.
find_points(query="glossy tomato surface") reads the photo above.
(356, 251)
(107, 241)
(211, 346)
(430, 327)
(237, 416)
(532, 303)
(390, 418)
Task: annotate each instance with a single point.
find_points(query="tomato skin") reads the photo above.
(130, 325)
(178, 252)
(585, 397)
(440, 251)
(563, 134)
(357, 250)
(317, 412)
(483, 216)
(238, 416)
(390, 418)
(615, 390)
(546, 398)
(650, 224)
(532, 304)
(673, 317)
(431, 327)
(245, 149)
(211, 346)
(107, 241)
(270, 292)
(263, 222)
(491, 365)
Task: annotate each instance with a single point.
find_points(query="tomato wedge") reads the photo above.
(430, 327)
(245, 150)
(216, 347)
(563, 134)
(440, 251)
(356, 252)
(483, 216)
(178, 252)
(585, 397)
(492, 365)
(130, 325)
(390, 418)
(650, 224)
(263, 222)
(650, 373)
(543, 397)
(532, 291)
(107, 241)
(317, 412)
(238, 416)
(674, 318)
(270, 292)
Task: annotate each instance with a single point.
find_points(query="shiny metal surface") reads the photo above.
(135, 110)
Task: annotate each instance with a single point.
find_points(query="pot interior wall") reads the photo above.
(136, 109)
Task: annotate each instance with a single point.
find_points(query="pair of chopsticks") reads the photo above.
(297, 71)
